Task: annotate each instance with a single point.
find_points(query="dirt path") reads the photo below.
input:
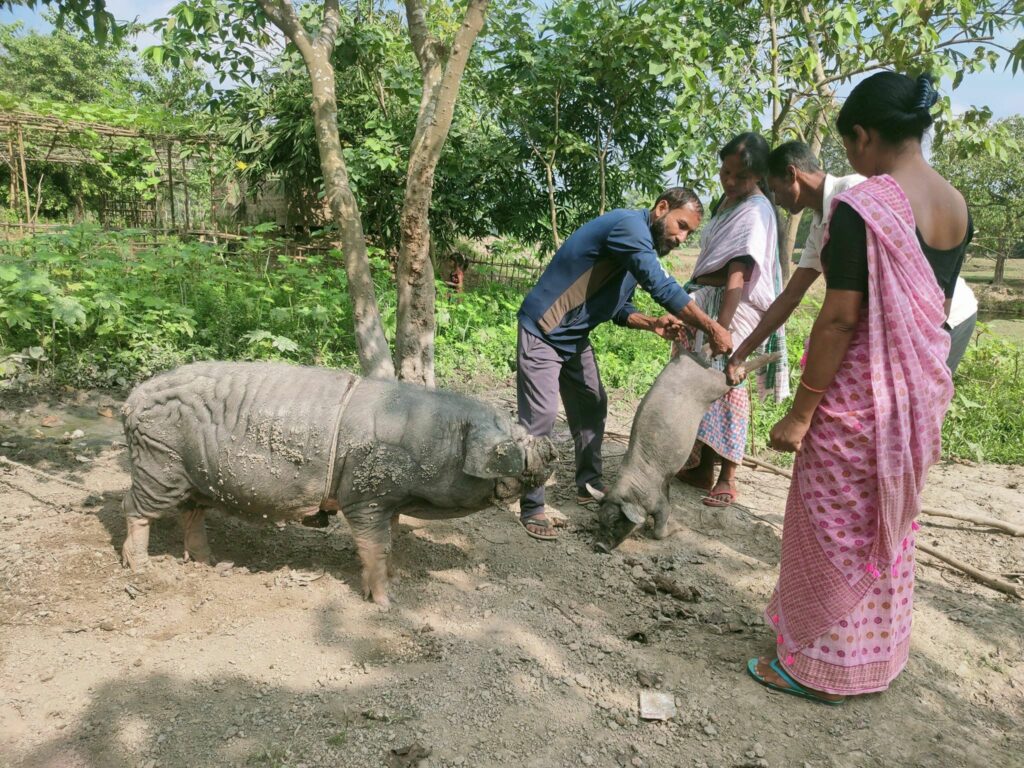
(500, 650)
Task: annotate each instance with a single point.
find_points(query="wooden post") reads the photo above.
(13, 198)
(12, 195)
(184, 179)
(24, 176)
(170, 182)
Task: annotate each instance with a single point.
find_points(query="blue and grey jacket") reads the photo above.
(592, 278)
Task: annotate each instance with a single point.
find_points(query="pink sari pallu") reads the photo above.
(842, 605)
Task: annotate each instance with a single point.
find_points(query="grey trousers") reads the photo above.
(543, 373)
(960, 337)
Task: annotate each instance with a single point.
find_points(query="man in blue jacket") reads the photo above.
(591, 279)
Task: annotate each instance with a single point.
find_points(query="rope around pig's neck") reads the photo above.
(329, 483)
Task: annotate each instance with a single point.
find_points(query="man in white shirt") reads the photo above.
(797, 182)
(963, 316)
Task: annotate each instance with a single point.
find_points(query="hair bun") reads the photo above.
(925, 94)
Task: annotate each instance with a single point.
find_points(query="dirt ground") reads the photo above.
(499, 650)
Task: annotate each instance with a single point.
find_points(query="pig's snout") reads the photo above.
(616, 522)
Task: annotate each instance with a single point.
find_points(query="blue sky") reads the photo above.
(999, 90)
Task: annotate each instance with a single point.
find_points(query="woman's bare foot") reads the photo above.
(699, 477)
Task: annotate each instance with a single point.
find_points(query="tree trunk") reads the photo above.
(776, 107)
(442, 76)
(789, 243)
(602, 165)
(371, 343)
(999, 276)
(603, 160)
(552, 206)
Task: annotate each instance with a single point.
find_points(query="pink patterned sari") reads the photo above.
(843, 604)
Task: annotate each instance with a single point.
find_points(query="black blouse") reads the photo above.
(845, 255)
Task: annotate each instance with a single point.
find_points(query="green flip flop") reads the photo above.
(794, 688)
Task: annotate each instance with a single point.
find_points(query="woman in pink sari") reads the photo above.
(866, 421)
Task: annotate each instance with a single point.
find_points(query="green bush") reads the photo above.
(985, 421)
(97, 309)
(107, 311)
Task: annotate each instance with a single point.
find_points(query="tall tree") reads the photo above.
(786, 61)
(442, 64)
(981, 158)
(571, 86)
(64, 66)
(234, 36)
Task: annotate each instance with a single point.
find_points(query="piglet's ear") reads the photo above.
(490, 454)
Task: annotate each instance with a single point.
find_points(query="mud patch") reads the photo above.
(498, 651)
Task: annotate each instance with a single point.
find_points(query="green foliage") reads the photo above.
(95, 309)
(720, 61)
(982, 160)
(64, 76)
(476, 332)
(89, 16)
(108, 313)
(985, 422)
(62, 66)
(571, 88)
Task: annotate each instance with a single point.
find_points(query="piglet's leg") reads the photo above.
(662, 525)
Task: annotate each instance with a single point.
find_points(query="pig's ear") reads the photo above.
(489, 457)
(634, 513)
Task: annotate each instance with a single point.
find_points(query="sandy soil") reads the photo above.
(500, 650)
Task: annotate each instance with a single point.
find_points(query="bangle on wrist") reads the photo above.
(809, 388)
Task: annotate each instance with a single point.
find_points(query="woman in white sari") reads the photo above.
(736, 278)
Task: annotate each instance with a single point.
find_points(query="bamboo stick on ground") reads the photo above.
(757, 464)
(980, 576)
(48, 476)
(990, 522)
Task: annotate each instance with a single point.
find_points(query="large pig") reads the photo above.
(281, 442)
(664, 429)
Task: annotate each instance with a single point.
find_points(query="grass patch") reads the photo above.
(338, 739)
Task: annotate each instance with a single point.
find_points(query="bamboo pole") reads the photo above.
(756, 464)
(980, 576)
(13, 196)
(991, 522)
(184, 178)
(170, 183)
(24, 176)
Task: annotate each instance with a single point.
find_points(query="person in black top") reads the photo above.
(845, 255)
(866, 420)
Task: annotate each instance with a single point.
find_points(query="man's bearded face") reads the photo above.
(663, 244)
